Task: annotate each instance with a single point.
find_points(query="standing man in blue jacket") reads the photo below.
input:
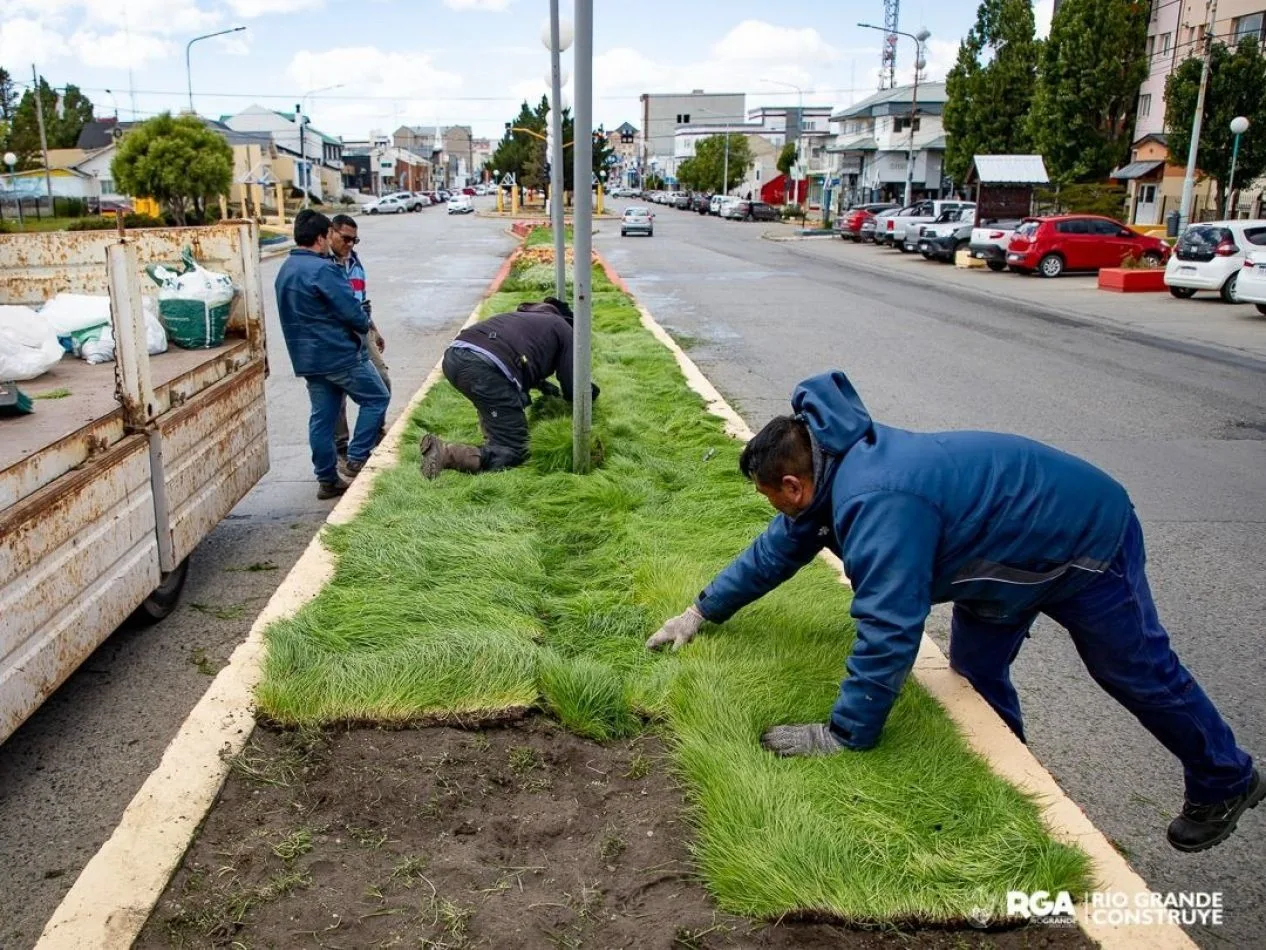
(1004, 528)
(325, 327)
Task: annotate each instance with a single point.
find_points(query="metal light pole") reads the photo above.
(302, 122)
(557, 37)
(1239, 125)
(110, 93)
(1193, 150)
(582, 172)
(919, 39)
(799, 133)
(12, 160)
(189, 46)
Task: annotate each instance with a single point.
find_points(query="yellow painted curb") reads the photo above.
(988, 736)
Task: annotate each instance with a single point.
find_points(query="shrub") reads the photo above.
(108, 223)
(793, 212)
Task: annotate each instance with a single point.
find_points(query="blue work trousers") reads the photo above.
(1119, 637)
(363, 386)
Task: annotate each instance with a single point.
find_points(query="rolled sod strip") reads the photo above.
(482, 596)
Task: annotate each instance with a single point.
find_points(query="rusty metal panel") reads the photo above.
(76, 558)
(213, 450)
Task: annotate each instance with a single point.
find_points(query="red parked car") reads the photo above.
(849, 225)
(1084, 242)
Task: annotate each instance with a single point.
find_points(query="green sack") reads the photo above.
(193, 303)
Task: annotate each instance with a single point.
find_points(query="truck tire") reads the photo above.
(163, 599)
(996, 266)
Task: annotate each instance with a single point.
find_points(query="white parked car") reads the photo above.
(1251, 285)
(461, 204)
(388, 204)
(1210, 256)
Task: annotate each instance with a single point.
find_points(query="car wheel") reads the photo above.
(1052, 265)
(373, 210)
(996, 266)
(1152, 259)
(163, 599)
(650, 233)
(624, 234)
(1261, 308)
(1182, 293)
(927, 255)
(1227, 293)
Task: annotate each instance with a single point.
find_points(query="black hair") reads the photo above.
(310, 226)
(343, 220)
(781, 448)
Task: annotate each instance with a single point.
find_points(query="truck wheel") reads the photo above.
(164, 597)
(996, 266)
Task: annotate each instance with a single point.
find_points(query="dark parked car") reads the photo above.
(700, 202)
(1084, 242)
(754, 211)
(849, 225)
(681, 201)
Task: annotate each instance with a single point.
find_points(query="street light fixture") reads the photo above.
(189, 46)
(557, 34)
(12, 160)
(799, 131)
(1239, 125)
(919, 62)
(302, 122)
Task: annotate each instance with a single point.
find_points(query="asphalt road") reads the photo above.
(1183, 431)
(67, 774)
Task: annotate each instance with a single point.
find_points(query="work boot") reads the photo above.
(328, 490)
(438, 455)
(1202, 826)
(349, 469)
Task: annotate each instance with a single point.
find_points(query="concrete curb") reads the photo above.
(117, 890)
(984, 731)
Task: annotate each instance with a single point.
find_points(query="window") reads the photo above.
(1155, 8)
(901, 123)
(1151, 46)
(1073, 226)
(683, 118)
(107, 186)
(1147, 194)
(1104, 228)
(1256, 236)
(1164, 42)
(1145, 105)
(1246, 26)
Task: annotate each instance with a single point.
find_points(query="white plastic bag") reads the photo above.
(194, 304)
(28, 346)
(70, 313)
(96, 345)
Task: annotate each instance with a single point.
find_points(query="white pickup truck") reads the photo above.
(106, 490)
(989, 242)
(903, 228)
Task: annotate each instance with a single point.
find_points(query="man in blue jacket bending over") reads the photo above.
(325, 327)
(1004, 528)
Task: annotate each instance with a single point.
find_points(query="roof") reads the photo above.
(929, 93)
(327, 139)
(1008, 170)
(1136, 170)
(99, 133)
(865, 143)
(66, 157)
(625, 129)
(1159, 137)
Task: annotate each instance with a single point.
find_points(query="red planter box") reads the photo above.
(1151, 280)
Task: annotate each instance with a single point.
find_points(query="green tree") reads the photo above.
(8, 107)
(64, 116)
(517, 148)
(705, 170)
(1236, 81)
(987, 105)
(1087, 87)
(787, 157)
(177, 161)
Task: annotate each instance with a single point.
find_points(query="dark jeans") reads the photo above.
(342, 435)
(363, 386)
(500, 405)
(1116, 631)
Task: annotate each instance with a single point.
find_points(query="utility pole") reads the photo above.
(39, 118)
(1189, 179)
(582, 176)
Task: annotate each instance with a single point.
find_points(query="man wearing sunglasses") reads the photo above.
(343, 241)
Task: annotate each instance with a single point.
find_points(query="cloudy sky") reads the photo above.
(427, 62)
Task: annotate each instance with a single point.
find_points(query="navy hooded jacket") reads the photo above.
(321, 319)
(998, 524)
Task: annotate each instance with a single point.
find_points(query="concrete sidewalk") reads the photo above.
(1203, 321)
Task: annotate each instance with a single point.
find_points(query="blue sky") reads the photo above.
(449, 62)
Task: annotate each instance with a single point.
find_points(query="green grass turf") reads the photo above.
(535, 587)
(546, 236)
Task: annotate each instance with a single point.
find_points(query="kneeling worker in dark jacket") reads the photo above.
(1005, 529)
(494, 364)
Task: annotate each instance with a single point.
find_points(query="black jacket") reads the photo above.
(534, 342)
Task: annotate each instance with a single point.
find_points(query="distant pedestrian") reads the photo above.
(324, 326)
(343, 241)
(494, 364)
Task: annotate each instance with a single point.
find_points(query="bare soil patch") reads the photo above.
(519, 836)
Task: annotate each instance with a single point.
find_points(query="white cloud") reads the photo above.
(1043, 12)
(757, 41)
(494, 6)
(23, 40)
(164, 17)
(254, 8)
(117, 50)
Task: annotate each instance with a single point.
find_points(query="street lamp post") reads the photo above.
(1239, 125)
(799, 131)
(557, 37)
(189, 46)
(12, 160)
(302, 122)
(582, 176)
(919, 39)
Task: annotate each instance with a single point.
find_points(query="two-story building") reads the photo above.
(875, 141)
(625, 141)
(307, 158)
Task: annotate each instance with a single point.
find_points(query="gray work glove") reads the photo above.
(812, 739)
(678, 631)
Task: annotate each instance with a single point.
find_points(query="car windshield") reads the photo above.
(1027, 229)
(636, 213)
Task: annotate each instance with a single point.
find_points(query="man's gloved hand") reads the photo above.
(593, 387)
(549, 389)
(812, 739)
(368, 308)
(678, 631)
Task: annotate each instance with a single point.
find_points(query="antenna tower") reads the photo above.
(888, 55)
